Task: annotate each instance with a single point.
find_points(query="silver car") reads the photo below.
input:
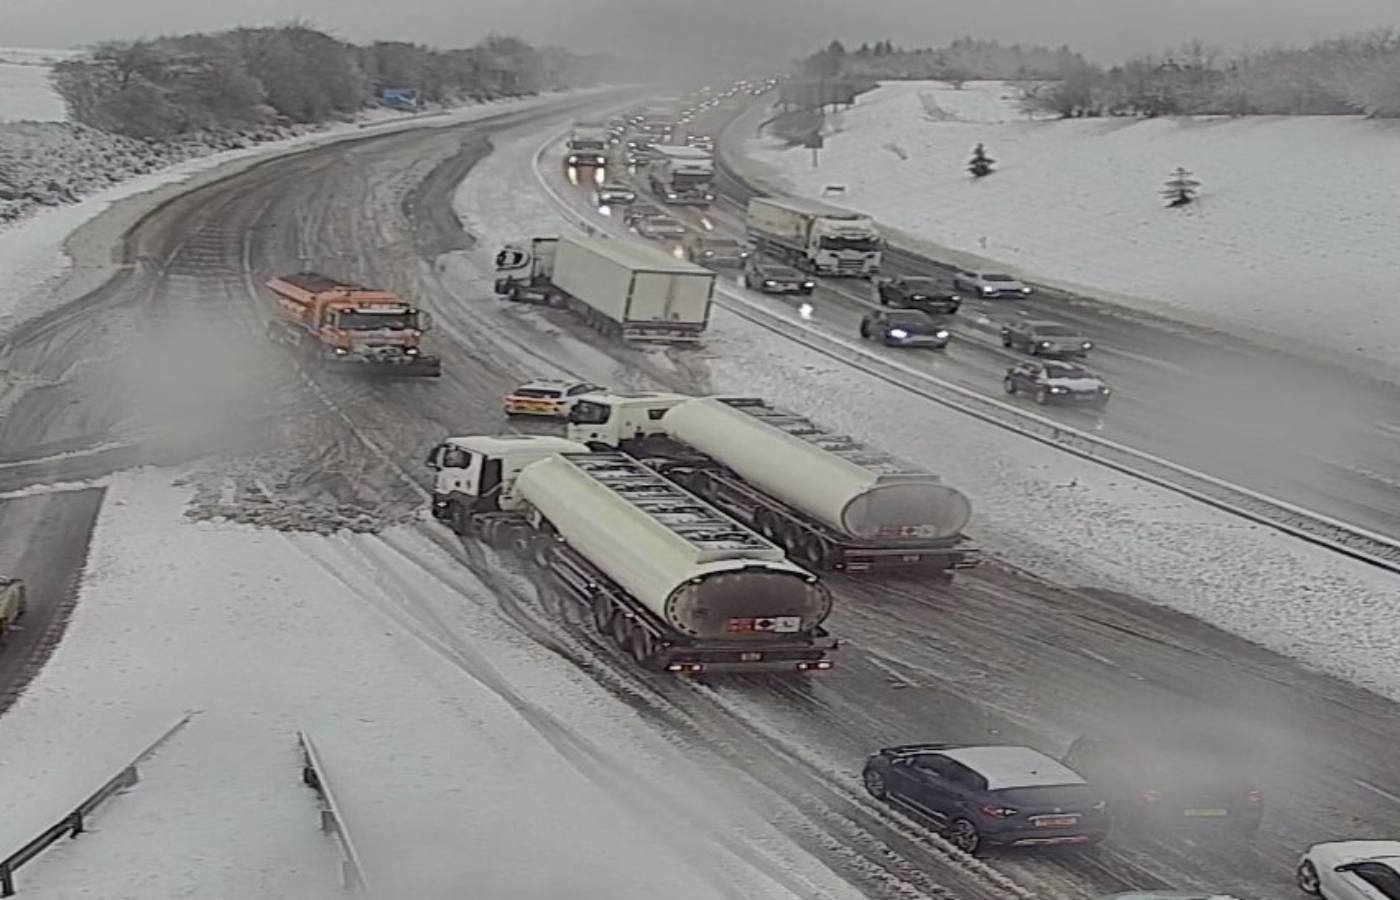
(988, 285)
(1041, 338)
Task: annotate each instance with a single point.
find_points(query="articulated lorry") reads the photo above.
(671, 580)
(814, 236)
(831, 501)
(620, 288)
(345, 326)
(682, 175)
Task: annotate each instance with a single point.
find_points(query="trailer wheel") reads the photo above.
(643, 648)
(816, 551)
(763, 524)
(602, 613)
(621, 631)
(533, 548)
(488, 532)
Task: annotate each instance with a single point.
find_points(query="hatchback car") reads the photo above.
(546, 397)
(904, 328)
(1351, 870)
(12, 603)
(659, 228)
(1041, 338)
(638, 211)
(772, 278)
(990, 285)
(982, 796)
(717, 252)
(1057, 382)
(613, 194)
(1174, 777)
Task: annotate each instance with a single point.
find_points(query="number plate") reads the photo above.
(750, 657)
(911, 557)
(1208, 813)
(1054, 821)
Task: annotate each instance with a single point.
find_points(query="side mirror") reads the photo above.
(434, 459)
(1345, 867)
(425, 320)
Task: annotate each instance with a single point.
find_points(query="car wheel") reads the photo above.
(1032, 348)
(964, 835)
(1042, 396)
(1009, 384)
(1308, 882)
(875, 784)
(865, 331)
(1006, 340)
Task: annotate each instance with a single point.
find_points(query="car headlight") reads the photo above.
(341, 351)
(941, 334)
(1105, 390)
(988, 289)
(767, 283)
(1058, 390)
(411, 351)
(809, 284)
(1087, 345)
(1025, 290)
(898, 333)
(1045, 343)
(709, 253)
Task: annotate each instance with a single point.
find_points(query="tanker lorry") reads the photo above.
(831, 501)
(672, 581)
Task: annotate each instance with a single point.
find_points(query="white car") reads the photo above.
(989, 285)
(546, 397)
(1351, 870)
(614, 195)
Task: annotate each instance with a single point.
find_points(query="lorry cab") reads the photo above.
(478, 473)
(605, 420)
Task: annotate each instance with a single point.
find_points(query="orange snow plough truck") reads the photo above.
(345, 326)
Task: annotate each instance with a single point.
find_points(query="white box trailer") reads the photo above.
(629, 290)
(814, 236)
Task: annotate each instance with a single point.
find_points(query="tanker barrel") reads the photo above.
(859, 491)
(695, 568)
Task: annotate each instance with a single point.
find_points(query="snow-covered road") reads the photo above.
(449, 704)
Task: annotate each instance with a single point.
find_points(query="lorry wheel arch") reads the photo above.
(602, 612)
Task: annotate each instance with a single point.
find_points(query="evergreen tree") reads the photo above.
(981, 164)
(1181, 188)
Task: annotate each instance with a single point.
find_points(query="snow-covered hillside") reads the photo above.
(1294, 235)
(25, 94)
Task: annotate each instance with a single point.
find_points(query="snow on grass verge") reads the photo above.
(463, 751)
(1292, 237)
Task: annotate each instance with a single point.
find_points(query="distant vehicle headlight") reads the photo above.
(988, 289)
(767, 282)
(1025, 290)
(1045, 343)
(1105, 390)
(941, 334)
(898, 333)
(1088, 345)
(809, 284)
(1058, 390)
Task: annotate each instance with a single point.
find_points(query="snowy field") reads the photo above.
(1294, 235)
(431, 710)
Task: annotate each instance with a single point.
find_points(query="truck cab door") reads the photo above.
(459, 473)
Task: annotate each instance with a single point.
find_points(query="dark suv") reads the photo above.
(987, 795)
(1175, 778)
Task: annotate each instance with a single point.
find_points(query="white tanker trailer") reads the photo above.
(672, 580)
(831, 501)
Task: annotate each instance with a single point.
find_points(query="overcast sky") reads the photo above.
(726, 30)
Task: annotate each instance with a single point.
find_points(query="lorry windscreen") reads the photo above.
(587, 145)
(692, 179)
(586, 412)
(355, 320)
(864, 245)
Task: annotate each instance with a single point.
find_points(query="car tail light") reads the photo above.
(1000, 812)
(1255, 795)
(1150, 796)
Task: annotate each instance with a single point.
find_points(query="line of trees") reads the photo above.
(246, 77)
(964, 59)
(1359, 74)
(1356, 74)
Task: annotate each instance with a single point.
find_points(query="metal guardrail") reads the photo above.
(73, 823)
(313, 775)
(1350, 540)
